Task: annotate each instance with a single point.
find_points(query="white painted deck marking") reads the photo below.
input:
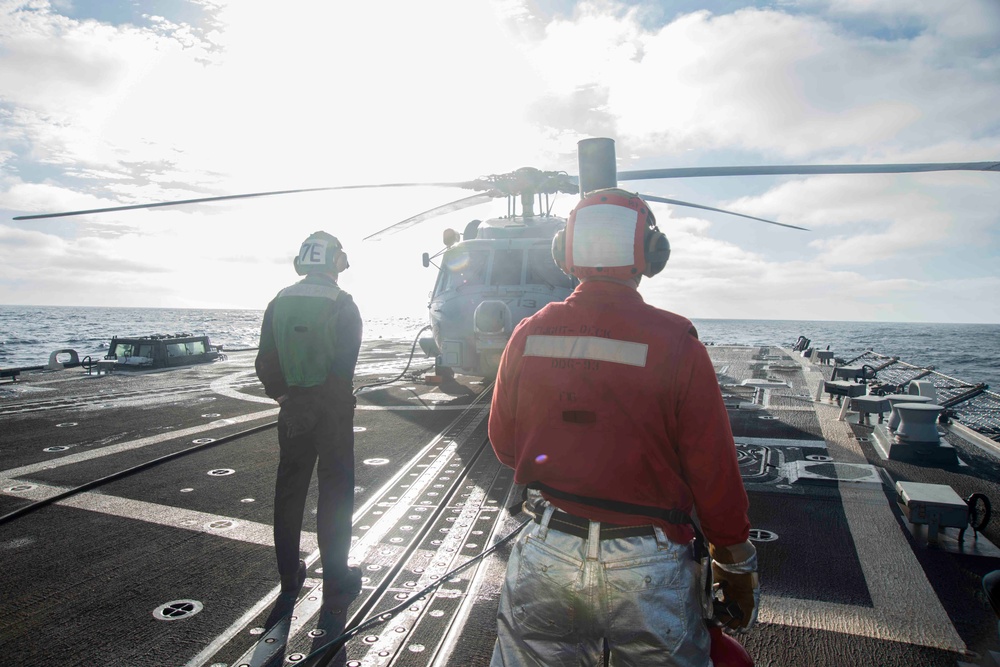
(447, 557)
(224, 387)
(305, 609)
(424, 408)
(905, 607)
(359, 549)
(134, 444)
(780, 442)
(480, 573)
(162, 515)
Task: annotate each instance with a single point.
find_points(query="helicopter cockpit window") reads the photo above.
(464, 268)
(542, 270)
(507, 266)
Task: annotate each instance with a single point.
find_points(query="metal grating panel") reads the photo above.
(980, 413)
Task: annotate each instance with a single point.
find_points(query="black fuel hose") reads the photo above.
(408, 362)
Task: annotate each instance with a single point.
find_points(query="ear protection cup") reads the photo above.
(559, 250)
(340, 262)
(656, 251)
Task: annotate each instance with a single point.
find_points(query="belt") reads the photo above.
(580, 527)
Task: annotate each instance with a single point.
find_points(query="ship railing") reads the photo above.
(873, 359)
(891, 374)
(973, 405)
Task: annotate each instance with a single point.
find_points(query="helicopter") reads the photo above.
(501, 270)
(496, 273)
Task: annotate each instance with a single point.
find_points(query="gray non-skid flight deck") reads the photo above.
(174, 565)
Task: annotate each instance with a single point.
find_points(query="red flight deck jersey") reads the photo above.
(603, 395)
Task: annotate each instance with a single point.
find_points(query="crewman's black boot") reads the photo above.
(347, 587)
(292, 588)
(285, 603)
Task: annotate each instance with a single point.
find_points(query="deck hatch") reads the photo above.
(832, 472)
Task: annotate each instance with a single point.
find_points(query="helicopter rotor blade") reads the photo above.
(644, 174)
(781, 170)
(677, 202)
(450, 207)
(201, 200)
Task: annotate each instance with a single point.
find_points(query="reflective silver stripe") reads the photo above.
(330, 292)
(587, 347)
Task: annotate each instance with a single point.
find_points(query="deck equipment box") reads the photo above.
(934, 505)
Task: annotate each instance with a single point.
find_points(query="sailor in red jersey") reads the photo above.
(605, 397)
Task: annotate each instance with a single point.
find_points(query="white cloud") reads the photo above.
(322, 93)
(761, 79)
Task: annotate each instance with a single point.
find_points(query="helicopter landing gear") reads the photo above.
(443, 372)
(489, 364)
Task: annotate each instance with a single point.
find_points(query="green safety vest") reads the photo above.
(304, 323)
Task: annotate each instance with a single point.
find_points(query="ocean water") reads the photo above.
(28, 334)
(968, 352)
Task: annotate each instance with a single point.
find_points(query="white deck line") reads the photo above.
(110, 450)
(154, 513)
(780, 442)
(134, 444)
(359, 548)
(905, 607)
(309, 606)
(223, 387)
(454, 635)
(447, 557)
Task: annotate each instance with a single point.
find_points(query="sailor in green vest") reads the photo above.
(309, 344)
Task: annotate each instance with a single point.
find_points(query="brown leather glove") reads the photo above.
(737, 585)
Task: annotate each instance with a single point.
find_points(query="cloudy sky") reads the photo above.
(110, 102)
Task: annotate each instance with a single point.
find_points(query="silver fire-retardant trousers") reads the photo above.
(563, 596)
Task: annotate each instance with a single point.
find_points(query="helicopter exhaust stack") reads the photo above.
(598, 168)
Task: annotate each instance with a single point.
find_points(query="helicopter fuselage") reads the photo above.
(488, 284)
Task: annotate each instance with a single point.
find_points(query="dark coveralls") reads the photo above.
(309, 344)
